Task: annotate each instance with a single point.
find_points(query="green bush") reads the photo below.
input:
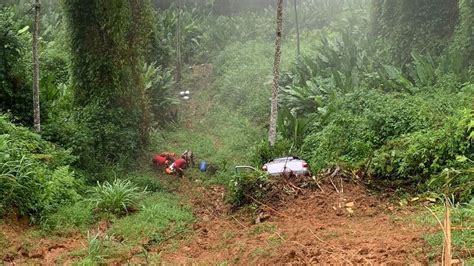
(414, 157)
(35, 178)
(347, 139)
(118, 197)
(264, 152)
(15, 83)
(245, 186)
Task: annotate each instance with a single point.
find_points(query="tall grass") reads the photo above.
(119, 197)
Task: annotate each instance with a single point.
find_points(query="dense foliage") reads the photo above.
(35, 177)
(389, 108)
(14, 79)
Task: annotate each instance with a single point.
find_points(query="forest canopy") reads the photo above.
(381, 89)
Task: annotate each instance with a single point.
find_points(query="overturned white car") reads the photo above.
(287, 166)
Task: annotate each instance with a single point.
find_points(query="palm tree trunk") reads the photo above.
(178, 47)
(297, 30)
(276, 76)
(36, 70)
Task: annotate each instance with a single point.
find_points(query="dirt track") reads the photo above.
(315, 227)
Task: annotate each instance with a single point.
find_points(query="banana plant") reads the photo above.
(423, 71)
(292, 127)
(158, 84)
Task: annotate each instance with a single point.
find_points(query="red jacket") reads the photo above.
(168, 155)
(159, 160)
(180, 163)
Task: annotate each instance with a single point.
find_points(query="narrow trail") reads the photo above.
(315, 227)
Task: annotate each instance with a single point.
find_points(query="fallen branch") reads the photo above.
(319, 186)
(261, 203)
(299, 244)
(239, 222)
(337, 190)
(335, 171)
(342, 186)
(295, 187)
(276, 233)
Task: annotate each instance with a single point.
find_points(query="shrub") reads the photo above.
(118, 197)
(347, 139)
(456, 182)
(243, 186)
(35, 178)
(264, 152)
(414, 157)
(15, 92)
(364, 121)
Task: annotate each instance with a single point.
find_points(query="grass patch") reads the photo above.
(4, 242)
(70, 218)
(118, 197)
(263, 228)
(147, 179)
(462, 222)
(160, 217)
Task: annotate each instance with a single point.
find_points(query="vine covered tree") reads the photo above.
(108, 39)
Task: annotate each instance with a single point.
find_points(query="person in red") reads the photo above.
(160, 161)
(164, 159)
(177, 167)
(170, 156)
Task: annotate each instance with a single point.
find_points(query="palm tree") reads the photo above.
(276, 75)
(297, 30)
(178, 47)
(36, 73)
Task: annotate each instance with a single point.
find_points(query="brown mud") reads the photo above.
(314, 226)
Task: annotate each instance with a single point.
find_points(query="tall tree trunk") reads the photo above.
(297, 30)
(276, 76)
(178, 47)
(36, 71)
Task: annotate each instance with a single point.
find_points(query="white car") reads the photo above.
(287, 166)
